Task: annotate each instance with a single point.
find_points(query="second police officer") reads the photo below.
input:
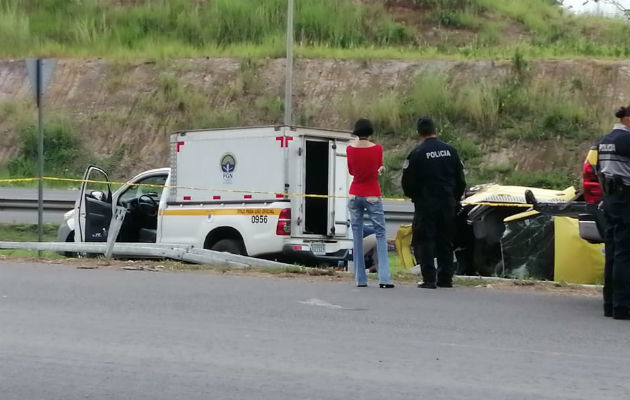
(433, 177)
(613, 165)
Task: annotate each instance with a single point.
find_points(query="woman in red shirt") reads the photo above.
(365, 164)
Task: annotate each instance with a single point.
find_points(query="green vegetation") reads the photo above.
(552, 179)
(171, 104)
(323, 28)
(27, 233)
(478, 116)
(516, 107)
(475, 116)
(187, 107)
(64, 156)
(547, 28)
(105, 27)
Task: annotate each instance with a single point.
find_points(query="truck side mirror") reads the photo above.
(98, 195)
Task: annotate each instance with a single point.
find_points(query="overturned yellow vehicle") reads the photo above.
(499, 234)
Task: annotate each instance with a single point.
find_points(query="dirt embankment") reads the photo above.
(132, 105)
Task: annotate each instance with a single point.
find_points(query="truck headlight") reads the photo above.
(68, 215)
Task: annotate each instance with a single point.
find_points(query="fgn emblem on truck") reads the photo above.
(228, 165)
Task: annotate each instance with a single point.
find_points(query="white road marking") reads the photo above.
(321, 303)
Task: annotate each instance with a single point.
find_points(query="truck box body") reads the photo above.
(250, 179)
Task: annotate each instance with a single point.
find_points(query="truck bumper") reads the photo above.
(303, 254)
(592, 224)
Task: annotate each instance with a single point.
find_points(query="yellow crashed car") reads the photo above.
(483, 229)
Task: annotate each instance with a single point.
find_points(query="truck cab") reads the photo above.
(140, 196)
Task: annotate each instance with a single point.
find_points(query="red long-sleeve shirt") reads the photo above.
(363, 165)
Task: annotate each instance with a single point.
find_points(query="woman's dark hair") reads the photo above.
(363, 128)
(623, 112)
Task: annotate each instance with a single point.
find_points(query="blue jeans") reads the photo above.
(373, 209)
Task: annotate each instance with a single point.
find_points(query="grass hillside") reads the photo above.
(481, 68)
(519, 121)
(323, 28)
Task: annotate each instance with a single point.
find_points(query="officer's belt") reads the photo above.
(614, 184)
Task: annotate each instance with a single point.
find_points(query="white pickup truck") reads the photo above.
(273, 192)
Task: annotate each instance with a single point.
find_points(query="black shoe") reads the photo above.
(427, 285)
(608, 310)
(445, 284)
(621, 313)
(363, 285)
(386, 285)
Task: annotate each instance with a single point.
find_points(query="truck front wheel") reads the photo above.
(229, 246)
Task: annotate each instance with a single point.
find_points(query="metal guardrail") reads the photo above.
(395, 212)
(399, 216)
(29, 204)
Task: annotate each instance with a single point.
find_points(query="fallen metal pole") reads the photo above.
(114, 227)
(173, 251)
(119, 249)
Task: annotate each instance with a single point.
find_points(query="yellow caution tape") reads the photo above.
(483, 203)
(321, 196)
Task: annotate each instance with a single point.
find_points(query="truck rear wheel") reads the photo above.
(228, 245)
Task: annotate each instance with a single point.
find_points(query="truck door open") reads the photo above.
(94, 207)
(316, 184)
(325, 175)
(337, 223)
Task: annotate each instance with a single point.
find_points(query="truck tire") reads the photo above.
(228, 246)
(70, 239)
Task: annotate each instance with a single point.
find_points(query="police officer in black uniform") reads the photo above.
(433, 177)
(613, 166)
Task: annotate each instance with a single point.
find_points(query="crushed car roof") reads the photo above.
(499, 195)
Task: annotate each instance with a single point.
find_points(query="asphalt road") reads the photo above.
(67, 333)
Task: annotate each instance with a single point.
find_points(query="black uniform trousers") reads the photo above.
(617, 267)
(433, 231)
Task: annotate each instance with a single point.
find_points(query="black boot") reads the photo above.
(608, 310)
(621, 313)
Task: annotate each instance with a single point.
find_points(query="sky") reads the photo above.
(592, 7)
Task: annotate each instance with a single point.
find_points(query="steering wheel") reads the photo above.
(148, 205)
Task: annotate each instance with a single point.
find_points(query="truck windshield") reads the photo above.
(152, 186)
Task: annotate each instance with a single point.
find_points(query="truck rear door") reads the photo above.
(337, 188)
(325, 187)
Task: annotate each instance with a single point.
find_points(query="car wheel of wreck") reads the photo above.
(228, 246)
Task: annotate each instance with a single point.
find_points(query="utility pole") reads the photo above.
(288, 88)
(40, 152)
